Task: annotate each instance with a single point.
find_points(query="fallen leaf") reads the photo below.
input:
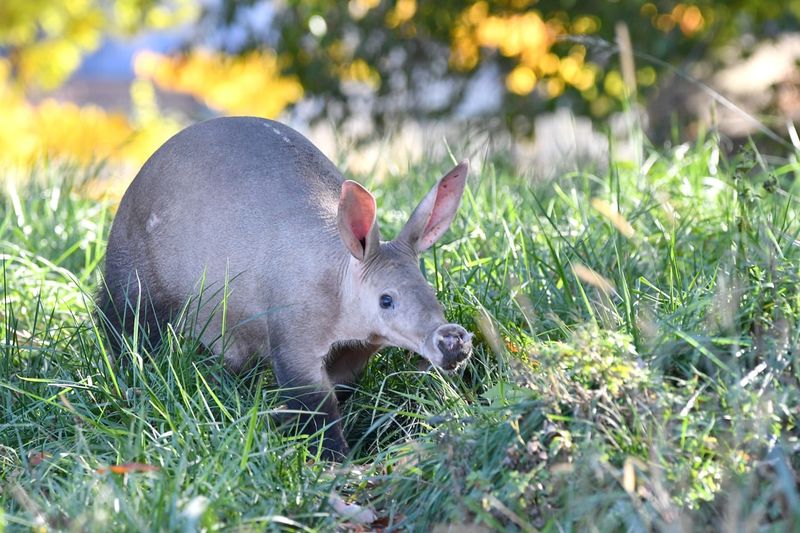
(37, 458)
(128, 468)
(513, 348)
(351, 511)
(381, 523)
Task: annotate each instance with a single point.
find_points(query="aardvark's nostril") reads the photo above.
(450, 343)
(454, 343)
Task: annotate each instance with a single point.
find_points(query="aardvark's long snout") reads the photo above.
(449, 346)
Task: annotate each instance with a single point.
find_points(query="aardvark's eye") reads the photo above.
(386, 301)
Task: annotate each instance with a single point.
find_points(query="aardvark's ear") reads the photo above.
(436, 211)
(356, 220)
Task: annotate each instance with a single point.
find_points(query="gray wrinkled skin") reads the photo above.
(250, 208)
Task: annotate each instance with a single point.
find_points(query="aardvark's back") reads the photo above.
(242, 199)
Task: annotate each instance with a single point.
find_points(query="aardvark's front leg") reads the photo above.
(345, 363)
(307, 389)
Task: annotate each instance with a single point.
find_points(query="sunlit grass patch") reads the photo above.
(634, 368)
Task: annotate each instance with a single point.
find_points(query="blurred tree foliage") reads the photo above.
(382, 59)
(390, 57)
(45, 40)
(42, 42)
(248, 84)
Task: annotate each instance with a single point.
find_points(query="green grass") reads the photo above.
(663, 395)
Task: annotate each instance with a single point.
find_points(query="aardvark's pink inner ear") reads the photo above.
(448, 197)
(355, 218)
